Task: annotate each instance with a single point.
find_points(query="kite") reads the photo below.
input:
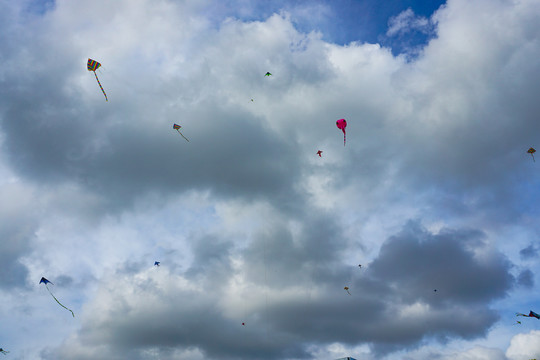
(93, 65)
(517, 322)
(319, 153)
(359, 265)
(45, 281)
(531, 314)
(3, 351)
(244, 324)
(267, 74)
(156, 263)
(342, 124)
(177, 128)
(346, 288)
(532, 151)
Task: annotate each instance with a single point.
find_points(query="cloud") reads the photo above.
(406, 21)
(473, 353)
(289, 304)
(20, 223)
(530, 252)
(524, 346)
(249, 223)
(526, 278)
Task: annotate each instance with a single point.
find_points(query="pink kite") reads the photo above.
(342, 124)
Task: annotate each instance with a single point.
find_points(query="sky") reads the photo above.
(433, 193)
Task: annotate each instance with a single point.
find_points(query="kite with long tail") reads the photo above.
(45, 281)
(177, 128)
(93, 65)
(531, 314)
(342, 124)
(3, 351)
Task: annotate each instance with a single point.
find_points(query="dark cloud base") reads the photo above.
(392, 305)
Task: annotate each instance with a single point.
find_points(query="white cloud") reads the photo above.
(524, 346)
(246, 219)
(406, 21)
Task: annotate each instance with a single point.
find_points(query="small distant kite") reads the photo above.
(342, 124)
(268, 74)
(156, 263)
(3, 351)
(93, 65)
(434, 290)
(319, 153)
(177, 128)
(45, 281)
(517, 322)
(243, 324)
(531, 314)
(359, 265)
(532, 151)
(346, 288)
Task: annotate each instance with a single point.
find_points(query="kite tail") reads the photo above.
(59, 303)
(101, 87)
(344, 137)
(520, 314)
(533, 157)
(182, 135)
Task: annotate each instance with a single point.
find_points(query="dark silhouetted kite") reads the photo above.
(532, 151)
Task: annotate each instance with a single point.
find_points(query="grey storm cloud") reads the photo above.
(448, 262)
(526, 278)
(530, 252)
(293, 309)
(20, 219)
(231, 149)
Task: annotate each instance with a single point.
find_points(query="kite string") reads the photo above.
(101, 87)
(59, 303)
(182, 135)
